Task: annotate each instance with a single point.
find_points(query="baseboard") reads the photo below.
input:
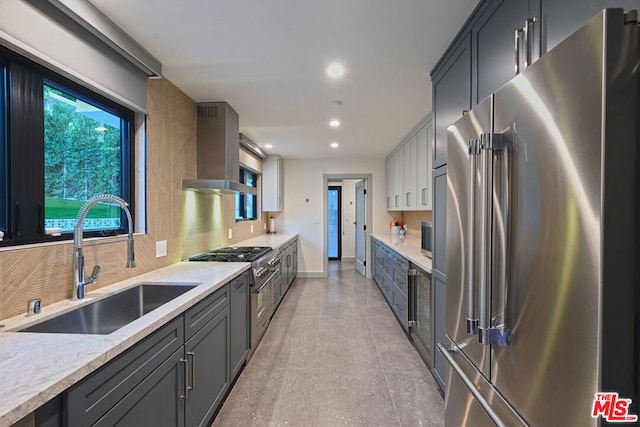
(311, 274)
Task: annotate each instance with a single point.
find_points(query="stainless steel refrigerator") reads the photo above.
(543, 238)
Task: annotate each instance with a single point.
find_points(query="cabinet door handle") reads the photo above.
(408, 197)
(517, 48)
(184, 395)
(527, 46)
(192, 355)
(424, 196)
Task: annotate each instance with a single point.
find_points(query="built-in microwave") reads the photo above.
(427, 238)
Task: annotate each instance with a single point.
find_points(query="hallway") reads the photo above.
(334, 354)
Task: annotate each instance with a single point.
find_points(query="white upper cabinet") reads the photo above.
(272, 184)
(425, 144)
(409, 170)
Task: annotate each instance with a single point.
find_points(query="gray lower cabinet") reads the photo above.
(208, 369)
(439, 301)
(289, 263)
(391, 275)
(118, 391)
(177, 376)
(240, 317)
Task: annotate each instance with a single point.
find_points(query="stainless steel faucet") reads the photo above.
(79, 281)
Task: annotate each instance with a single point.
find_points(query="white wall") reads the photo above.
(304, 212)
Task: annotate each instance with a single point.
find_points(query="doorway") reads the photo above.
(334, 222)
(359, 247)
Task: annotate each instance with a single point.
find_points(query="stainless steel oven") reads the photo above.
(265, 267)
(266, 275)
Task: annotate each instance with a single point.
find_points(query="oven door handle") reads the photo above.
(266, 282)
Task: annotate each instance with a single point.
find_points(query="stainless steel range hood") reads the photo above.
(218, 145)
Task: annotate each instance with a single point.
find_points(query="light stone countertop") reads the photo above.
(36, 367)
(408, 246)
(273, 240)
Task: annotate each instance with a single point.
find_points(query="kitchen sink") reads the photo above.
(113, 312)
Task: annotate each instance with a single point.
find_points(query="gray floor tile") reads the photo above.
(334, 354)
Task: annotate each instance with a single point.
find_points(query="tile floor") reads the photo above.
(334, 354)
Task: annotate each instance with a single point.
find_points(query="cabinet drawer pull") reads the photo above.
(184, 395)
(192, 355)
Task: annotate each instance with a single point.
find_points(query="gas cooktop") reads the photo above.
(233, 254)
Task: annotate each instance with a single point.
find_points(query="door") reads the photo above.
(334, 222)
(361, 228)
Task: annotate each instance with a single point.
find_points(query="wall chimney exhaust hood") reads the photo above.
(218, 145)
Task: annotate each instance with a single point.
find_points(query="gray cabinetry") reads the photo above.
(439, 269)
(176, 376)
(482, 57)
(451, 94)
(560, 18)
(439, 325)
(493, 48)
(208, 369)
(289, 262)
(115, 390)
(391, 275)
(239, 323)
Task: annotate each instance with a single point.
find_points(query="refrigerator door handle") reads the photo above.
(446, 352)
(485, 252)
(488, 335)
(472, 318)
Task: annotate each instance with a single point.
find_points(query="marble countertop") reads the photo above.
(273, 240)
(408, 246)
(36, 367)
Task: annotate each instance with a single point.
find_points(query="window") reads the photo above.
(3, 148)
(66, 145)
(247, 204)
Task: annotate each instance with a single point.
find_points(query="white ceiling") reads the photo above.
(267, 59)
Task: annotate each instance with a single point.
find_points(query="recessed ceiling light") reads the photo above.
(268, 146)
(335, 70)
(334, 123)
(334, 145)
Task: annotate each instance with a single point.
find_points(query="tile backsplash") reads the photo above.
(413, 220)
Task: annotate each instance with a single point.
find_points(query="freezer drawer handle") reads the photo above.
(446, 352)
